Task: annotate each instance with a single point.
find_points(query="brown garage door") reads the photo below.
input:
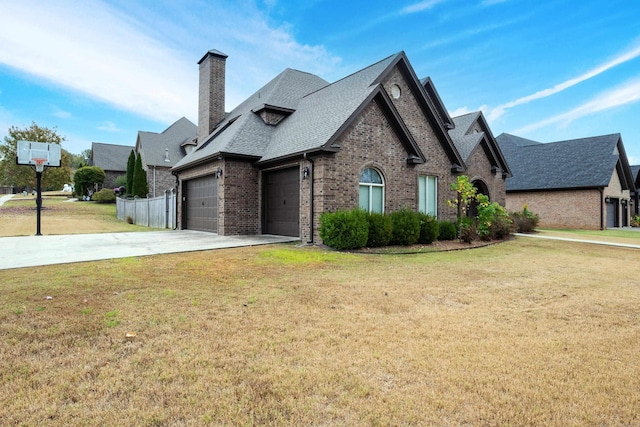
(202, 204)
(282, 202)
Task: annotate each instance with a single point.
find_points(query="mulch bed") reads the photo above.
(437, 246)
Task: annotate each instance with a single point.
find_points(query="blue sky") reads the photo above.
(102, 70)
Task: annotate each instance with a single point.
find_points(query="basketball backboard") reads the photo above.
(27, 151)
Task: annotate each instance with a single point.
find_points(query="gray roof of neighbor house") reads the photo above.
(110, 157)
(466, 139)
(317, 113)
(635, 173)
(153, 146)
(573, 164)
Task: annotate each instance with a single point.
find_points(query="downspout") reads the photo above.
(177, 185)
(311, 170)
(601, 208)
(154, 180)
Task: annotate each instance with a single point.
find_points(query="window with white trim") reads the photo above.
(371, 191)
(428, 194)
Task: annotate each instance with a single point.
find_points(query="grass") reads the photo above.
(527, 332)
(59, 216)
(610, 235)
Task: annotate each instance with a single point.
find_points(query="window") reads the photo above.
(428, 195)
(371, 191)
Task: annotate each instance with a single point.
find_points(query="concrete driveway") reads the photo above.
(31, 251)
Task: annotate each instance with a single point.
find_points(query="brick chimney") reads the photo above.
(210, 93)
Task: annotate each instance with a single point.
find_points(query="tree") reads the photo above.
(465, 194)
(24, 177)
(131, 165)
(86, 178)
(80, 160)
(140, 187)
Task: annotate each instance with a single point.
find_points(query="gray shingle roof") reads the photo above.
(578, 163)
(110, 157)
(465, 142)
(635, 172)
(319, 112)
(153, 145)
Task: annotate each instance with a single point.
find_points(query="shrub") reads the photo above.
(447, 230)
(106, 195)
(429, 228)
(524, 221)
(86, 178)
(467, 230)
(493, 219)
(380, 230)
(635, 221)
(406, 227)
(344, 230)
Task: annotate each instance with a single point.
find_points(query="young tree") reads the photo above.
(131, 165)
(86, 178)
(23, 176)
(140, 187)
(465, 194)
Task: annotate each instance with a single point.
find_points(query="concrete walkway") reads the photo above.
(5, 198)
(567, 239)
(31, 251)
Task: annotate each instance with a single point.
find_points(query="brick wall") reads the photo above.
(479, 168)
(159, 179)
(560, 209)
(238, 199)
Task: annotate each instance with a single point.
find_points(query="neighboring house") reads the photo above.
(300, 146)
(635, 197)
(161, 151)
(581, 183)
(112, 159)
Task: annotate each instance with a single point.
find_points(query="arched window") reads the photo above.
(371, 191)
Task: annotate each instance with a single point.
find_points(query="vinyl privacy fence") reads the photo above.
(156, 212)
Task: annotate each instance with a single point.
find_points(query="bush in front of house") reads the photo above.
(493, 220)
(467, 230)
(380, 230)
(344, 230)
(524, 221)
(447, 230)
(635, 221)
(429, 228)
(406, 227)
(106, 195)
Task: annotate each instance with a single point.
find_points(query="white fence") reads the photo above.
(157, 212)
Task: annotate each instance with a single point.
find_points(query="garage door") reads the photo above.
(282, 202)
(201, 204)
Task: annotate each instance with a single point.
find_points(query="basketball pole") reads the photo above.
(38, 201)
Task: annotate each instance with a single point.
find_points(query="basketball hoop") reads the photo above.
(39, 164)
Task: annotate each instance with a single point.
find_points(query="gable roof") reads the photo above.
(635, 175)
(317, 113)
(467, 137)
(110, 157)
(153, 146)
(573, 164)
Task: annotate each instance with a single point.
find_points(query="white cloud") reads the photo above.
(419, 7)
(629, 55)
(60, 113)
(108, 126)
(96, 50)
(627, 93)
(461, 111)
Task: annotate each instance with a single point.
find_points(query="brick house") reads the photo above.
(161, 151)
(635, 197)
(379, 138)
(112, 159)
(583, 183)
